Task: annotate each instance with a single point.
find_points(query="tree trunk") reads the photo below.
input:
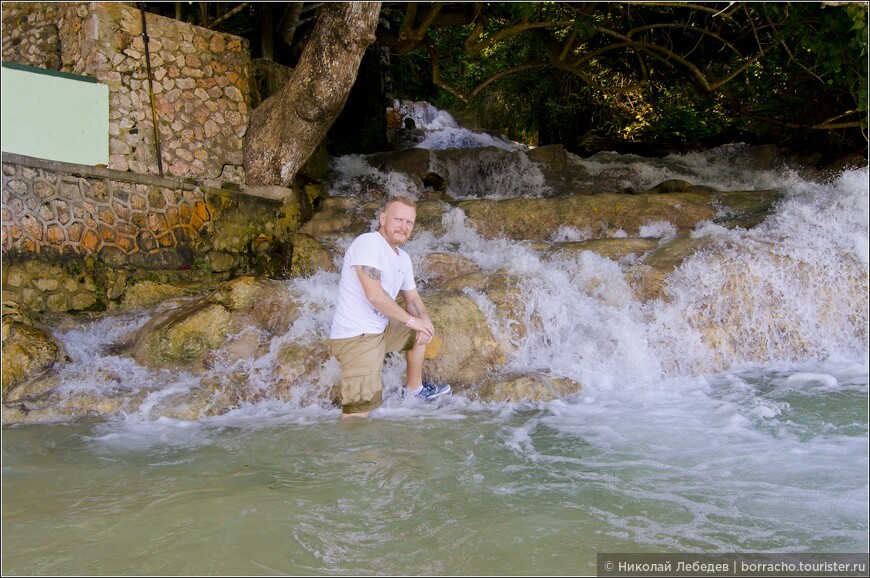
(288, 126)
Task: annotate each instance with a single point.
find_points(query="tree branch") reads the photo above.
(475, 47)
(232, 12)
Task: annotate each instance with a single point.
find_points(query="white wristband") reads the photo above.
(410, 322)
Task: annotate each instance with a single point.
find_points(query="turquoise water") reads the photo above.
(763, 461)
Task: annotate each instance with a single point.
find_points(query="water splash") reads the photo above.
(792, 290)
(491, 173)
(443, 132)
(360, 180)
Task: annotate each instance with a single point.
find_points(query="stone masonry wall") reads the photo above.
(30, 34)
(200, 81)
(76, 237)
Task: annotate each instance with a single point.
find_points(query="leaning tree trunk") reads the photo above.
(289, 125)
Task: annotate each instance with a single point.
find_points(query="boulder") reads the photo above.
(28, 350)
(413, 162)
(649, 274)
(302, 364)
(505, 291)
(149, 293)
(310, 256)
(673, 186)
(185, 335)
(562, 177)
(436, 268)
(613, 248)
(464, 349)
(534, 386)
(602, 215)
(182, 336)
(340, 216)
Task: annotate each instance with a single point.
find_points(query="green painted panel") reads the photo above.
(55, 117)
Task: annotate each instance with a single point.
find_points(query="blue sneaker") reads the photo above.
(431, 392)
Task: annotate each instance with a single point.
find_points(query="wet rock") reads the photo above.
(339, 216)
(602, 215)
(433, 181)
(562, 177)
(535, 387)
(435, 268)
(183, 336)
(413, 162)
(648, 276)
(614, 248)
(454, 168)
(207, 399)
(54, 406)
(28, 349)
(300, 375)
(149, 293)
(241, 293)
(310, 256)
(672, 186)
(554, 156)
(464, 349)
(776, 331)
(511, 311)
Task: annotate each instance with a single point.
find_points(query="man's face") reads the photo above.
(397, 222)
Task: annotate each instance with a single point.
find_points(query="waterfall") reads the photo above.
(443, 132)
(791, 290)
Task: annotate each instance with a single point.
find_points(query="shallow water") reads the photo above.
(763, 461)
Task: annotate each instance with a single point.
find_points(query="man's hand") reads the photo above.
(425, 330)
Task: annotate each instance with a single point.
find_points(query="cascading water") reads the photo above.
(443, 132)
(683, 439)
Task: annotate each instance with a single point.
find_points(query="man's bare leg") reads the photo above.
(414, 360)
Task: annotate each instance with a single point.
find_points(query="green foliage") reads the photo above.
(813, 69)
(202, 266)
(832, 45)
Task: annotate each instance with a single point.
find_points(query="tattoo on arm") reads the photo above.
(416, 308)
(372, 272)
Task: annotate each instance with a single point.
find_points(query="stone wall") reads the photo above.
(77, 237)
(200, 81)
(30, 34)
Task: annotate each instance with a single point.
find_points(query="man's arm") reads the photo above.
(370, 278)
(414, 304)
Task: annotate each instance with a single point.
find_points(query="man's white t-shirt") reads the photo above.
(354, 313)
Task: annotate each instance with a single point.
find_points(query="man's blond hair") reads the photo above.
(400, 199)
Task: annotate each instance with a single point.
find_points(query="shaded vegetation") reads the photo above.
(671, 75)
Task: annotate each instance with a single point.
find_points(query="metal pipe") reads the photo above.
(151, 89)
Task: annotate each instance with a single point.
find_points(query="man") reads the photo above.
(368, 323)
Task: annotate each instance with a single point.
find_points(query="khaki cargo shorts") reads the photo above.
(362, 359)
